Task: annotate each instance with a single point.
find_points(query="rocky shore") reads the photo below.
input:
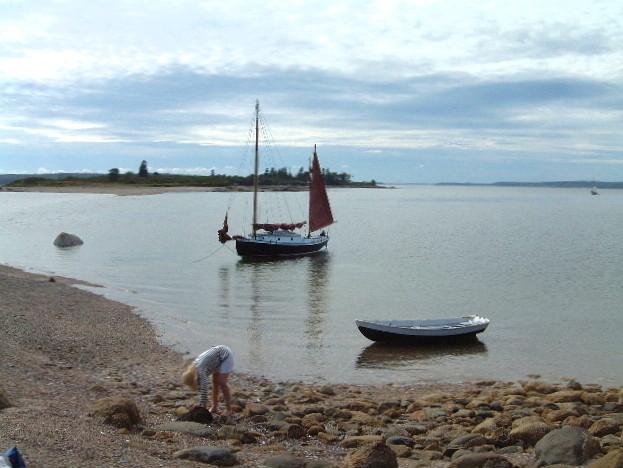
(84, 381)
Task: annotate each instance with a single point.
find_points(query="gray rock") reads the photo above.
(400, 440)
(65, 239)
(284, 461)
(385, 405)
(464, 442)
(416, 429)
(186, 427)
(481, 460)
(210, 455)
(569, 445)
(510, 449)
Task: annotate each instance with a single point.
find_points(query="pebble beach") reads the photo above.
(86, 381)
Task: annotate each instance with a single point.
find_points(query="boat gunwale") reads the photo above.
(459, 328)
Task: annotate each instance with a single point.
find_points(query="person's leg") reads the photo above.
(223, 378)
(215, 389)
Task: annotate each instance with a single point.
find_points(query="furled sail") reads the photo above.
(271, 227)
(319, 208)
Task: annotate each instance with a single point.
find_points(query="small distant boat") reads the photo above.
(594, 189)
(423, 331)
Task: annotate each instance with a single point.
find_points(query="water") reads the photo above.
(545, 265)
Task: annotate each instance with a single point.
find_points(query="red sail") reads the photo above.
(319, 209)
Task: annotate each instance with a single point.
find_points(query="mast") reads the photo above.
(255, 172)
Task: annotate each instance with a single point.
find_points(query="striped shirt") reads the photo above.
(206, 363)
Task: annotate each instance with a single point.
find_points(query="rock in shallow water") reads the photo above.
(65, 239)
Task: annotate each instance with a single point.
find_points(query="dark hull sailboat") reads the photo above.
(280, 244)
(280, 239)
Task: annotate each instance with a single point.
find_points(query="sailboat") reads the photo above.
(594, 189)
(280, 239)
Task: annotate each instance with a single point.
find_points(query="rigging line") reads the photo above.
(243, 162)
(299, 207)
(209, 255)
(229, 248)
(277, 159)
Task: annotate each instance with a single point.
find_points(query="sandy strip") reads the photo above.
(131, 190)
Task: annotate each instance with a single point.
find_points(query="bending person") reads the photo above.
(217, 361)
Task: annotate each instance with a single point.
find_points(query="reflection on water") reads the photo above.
(318, 268)
(280, 295)
(387, 356)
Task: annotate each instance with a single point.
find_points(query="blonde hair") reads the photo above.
(190, 377)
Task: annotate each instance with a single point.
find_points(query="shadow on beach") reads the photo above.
(388, 356)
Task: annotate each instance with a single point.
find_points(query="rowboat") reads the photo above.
(423, 331)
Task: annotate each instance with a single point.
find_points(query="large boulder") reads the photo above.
(211, 455)
(376, 455)
(4, 399)
(65, 239)
(117, 411)
(569, 445)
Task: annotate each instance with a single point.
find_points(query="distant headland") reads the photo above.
(270, 179)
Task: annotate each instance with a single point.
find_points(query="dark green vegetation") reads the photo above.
(270, 177)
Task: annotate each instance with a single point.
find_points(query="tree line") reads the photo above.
(270, 176)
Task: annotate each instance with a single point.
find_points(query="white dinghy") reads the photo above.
(423, 331)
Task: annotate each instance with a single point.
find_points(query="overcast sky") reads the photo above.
(399, 91)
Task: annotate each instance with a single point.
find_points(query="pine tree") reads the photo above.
(142, 171)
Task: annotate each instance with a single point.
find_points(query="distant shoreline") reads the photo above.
(547, 184)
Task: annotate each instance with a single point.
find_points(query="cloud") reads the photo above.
(383, 79)
(182, 105)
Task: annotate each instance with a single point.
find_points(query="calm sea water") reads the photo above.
(545, 265)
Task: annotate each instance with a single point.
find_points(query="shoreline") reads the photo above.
(66, 348)
(130, 190)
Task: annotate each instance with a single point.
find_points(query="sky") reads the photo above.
(420, 91)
